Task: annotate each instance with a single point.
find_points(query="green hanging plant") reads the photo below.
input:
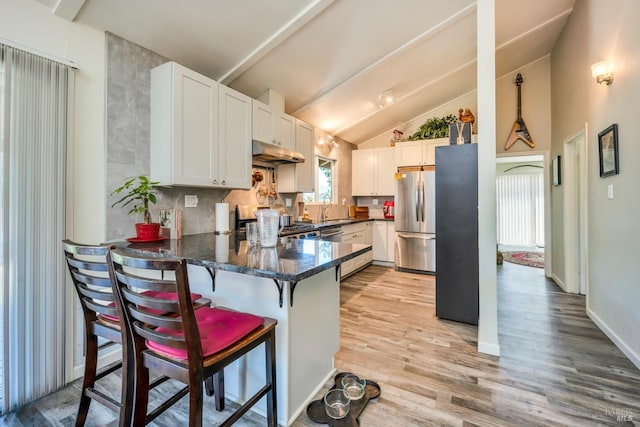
(434, 128)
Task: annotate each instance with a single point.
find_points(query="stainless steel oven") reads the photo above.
(300, 231)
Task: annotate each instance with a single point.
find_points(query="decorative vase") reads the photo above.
(149, 231)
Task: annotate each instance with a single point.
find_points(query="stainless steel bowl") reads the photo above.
(286, 220)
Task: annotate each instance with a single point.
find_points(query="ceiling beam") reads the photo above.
(67, 9)
(389, 56)
(298, 21)
(537, 28)
(406, 95)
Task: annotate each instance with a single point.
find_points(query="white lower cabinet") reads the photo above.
(384, 234)
(361, 232)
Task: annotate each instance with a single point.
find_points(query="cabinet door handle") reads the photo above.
(224, 182)
(215, 181)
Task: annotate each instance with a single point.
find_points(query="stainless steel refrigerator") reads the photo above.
(415, 248)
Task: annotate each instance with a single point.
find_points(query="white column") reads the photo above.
(488, 321)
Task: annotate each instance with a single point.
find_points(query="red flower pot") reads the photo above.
(147, 231)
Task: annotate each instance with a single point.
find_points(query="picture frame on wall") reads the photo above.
(608, 150)
(557, 170)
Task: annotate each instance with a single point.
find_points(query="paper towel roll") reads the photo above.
(222, 217)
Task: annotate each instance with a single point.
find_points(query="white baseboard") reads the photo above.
(559, 282)
(114, 354)
(309, 398)
(384, 263)
(489, 348)
(624, 348)
(260, 411)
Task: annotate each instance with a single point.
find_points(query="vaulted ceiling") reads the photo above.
(332, 58)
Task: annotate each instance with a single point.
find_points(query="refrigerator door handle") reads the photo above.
(419, 236)
(424, 213)
(421, 201)
(418, 201)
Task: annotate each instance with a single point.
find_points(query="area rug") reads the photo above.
(531, 259)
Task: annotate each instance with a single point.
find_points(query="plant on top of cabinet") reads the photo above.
(140, 196)
(434, 128)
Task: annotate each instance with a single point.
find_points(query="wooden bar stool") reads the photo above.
(190, 347)
(89, 271)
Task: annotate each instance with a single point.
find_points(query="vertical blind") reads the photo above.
(33, 137)
(520, 209)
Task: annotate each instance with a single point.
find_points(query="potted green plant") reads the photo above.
(138, 196)
(434, 128)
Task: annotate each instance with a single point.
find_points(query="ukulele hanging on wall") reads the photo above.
(519, 130)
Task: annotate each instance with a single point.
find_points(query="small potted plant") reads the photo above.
(139, 196)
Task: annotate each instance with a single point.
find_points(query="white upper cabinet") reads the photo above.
(417, 153)
(373, 172)
(234, 139)
(263, 122)
(273, 127)
(298, 177)
(193, 141)
(184, 126)
(286, 131)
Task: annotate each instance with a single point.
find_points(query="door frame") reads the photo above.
(575, 205)
(547, 201)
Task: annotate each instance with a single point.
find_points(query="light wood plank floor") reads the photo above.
(556, 368)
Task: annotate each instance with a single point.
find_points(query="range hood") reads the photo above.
(274, 154)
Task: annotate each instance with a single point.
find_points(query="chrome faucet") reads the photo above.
(325, 208)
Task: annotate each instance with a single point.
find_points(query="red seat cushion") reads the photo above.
(153, 294)
(219, 328)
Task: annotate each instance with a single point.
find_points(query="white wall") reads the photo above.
(536, 98)
(613, 292)
(33, 25)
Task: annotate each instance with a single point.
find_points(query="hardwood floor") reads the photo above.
(556, 367)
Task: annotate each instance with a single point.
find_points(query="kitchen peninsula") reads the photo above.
(297, 282)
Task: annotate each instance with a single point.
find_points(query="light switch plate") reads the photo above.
(190, 201)
(610, 191)
(288, 203)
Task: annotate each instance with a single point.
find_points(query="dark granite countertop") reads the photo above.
(338, 222)
(291, 260)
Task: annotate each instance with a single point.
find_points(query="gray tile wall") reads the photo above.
(127, 130)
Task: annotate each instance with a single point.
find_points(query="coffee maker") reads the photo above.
(388, 209)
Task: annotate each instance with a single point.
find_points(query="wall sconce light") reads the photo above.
(602, 72)
(386, 98)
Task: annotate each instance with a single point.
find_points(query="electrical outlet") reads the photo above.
(375, 202)
(288, 203)
(344, 202)
(190, 201)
